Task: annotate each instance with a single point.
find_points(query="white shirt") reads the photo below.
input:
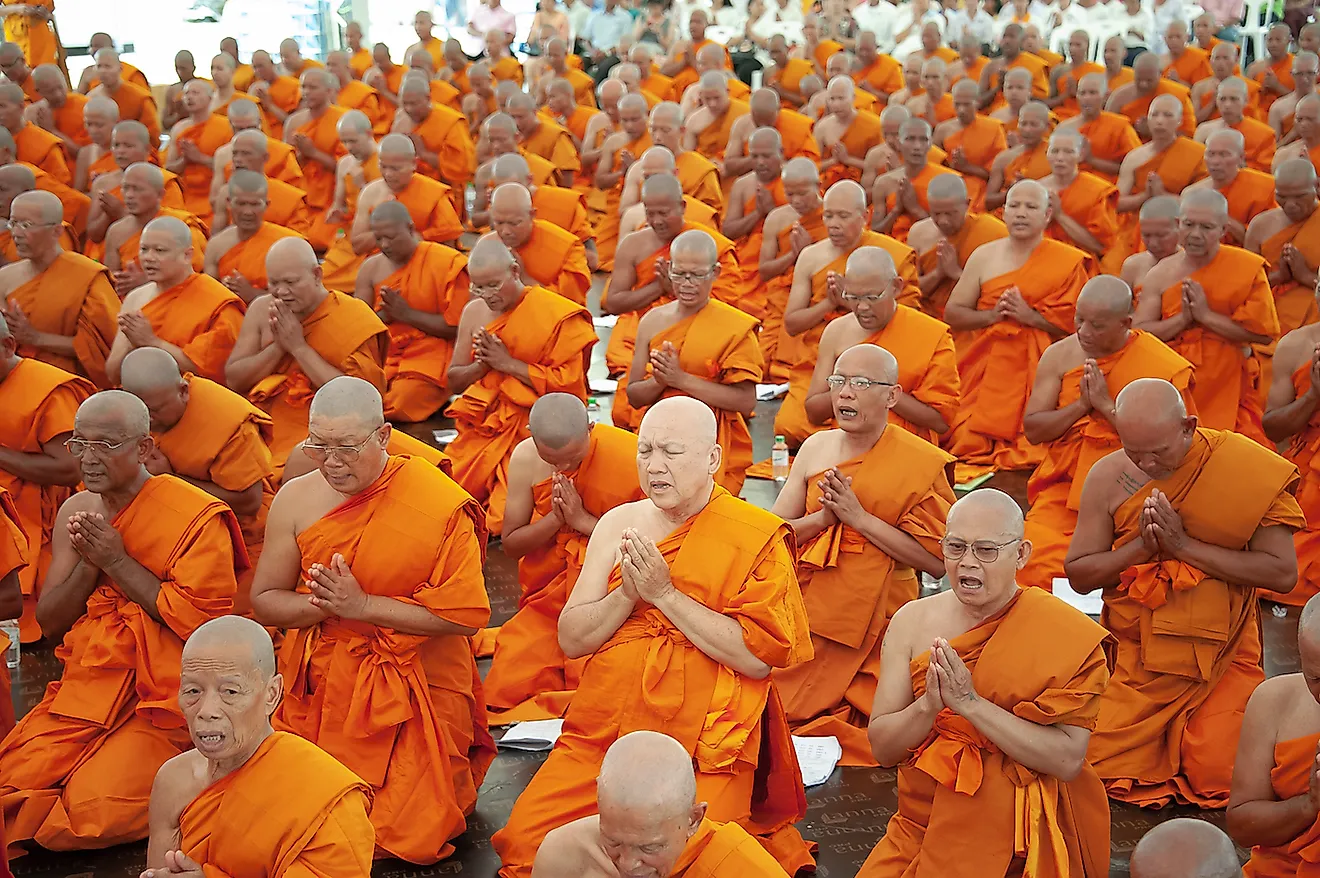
(980, 27)
(604, 29)
(1142, 22)
(578, 15)
(1037, 13)
(912, 42)
(879, 19)
(1163, 15)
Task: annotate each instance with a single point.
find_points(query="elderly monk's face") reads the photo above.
(224, 700)
(767, 161)
(839, 100)
(248, 209)
(861, 409)
(716, 100)
(914, 143)
(416, 102)
(843, 220)
(107, 70)
(1156, 442)
(1307, 121)
(98, 127)
(691, 275)
(988, 556)
(295, 285)
(871, 299)
(127, 150)
(1090, 97)
(501, 140)
(639, 844)
(139, 196)
(1222, 62)
(263, 67)
(222, 74)
(673, 465)
(395, 239)
(52, 90)
(1221, 160)
(1062, 155)
(496, 284)
(1230, 102)
(1200, 230)
(109, 457)
(33, 236)
(165, 404)
(1160, 236)
(512, 222)
(163, 258)
(665, 130)
(195, 97)
(356, 142)
(1297, 198)
(1100, 330)
(1026, 212)
(1304, 75)
(633, 119)
(664, 215)
(397, 169)
(347, 450)
(803, 195)
(948, 214)
(247, 155)
(524, 116)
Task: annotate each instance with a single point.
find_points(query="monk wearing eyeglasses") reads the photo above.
(867, 502)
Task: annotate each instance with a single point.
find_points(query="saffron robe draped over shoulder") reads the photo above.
(202, 317)
(1055, 488)
(977, 229)
(735, 559)
(248, 257)
(980, 142)
(1294, 760)
(208, 136)
(404, 712)
(344, 332)
(554, 258)
(16, 553)
(291, 809)
(553, 336)
(852, 587)
(1294, 302)
(724, 850)
(863, 133)
(112, 719)
(1179, 166)
(1301, 450)
(73, 298)
(38, 402)
(529, 677)
(1188, 653)
(965, 808)
(997, 364)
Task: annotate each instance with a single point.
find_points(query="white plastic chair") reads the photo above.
(1253, 30)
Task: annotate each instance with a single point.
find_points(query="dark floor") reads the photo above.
(846, 815)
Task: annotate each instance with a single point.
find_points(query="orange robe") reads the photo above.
(1192, 66)
(281, 164)
(903, 222)
(222, 438)
(130, 247)
(248, 258)
(1301, 450)
(1260, 141)
(965, 807)
(74, 297)
(852, 587)
(129, 73)
(1188, 653)
(38, 401)
(529, 677)
(884, 74)
(1093, 203)
(724, 850)
(791, 419)
(136, 104)
(435, 280)
(1294, 760)
(344, 332)
(997, 364)
(781, 349)
(1294, 303)
(977, 229)
(701, 179)
(980, 142)
(106, 164)
(1228, 393)
(564, 208)
(554, 258)
(862, 134)
(1055, 488)
(1283, 72)
(795, 136)
(77, 205)
(718, 344)
(1069, 107)
(607, 226)
(318, 180)
(790, 76)
(1137, 108)
(1182, 164)
(16, 553)
(68, 118)
(1252, 110)
(735, 558)
(302, 812)
(554, 337)
(286, 92)
(360, 62)
(1110, 137)
(38, 147)
(357, 95)
(445, 133)
(1030, 164)
(713, 140)
(207, 137)
(747, 252)
(33, 34)
(404, 712)
(112, 719)
(431, 206)
(584, 87)
(1250, 194)
(552, 142)
(202, 317)
(657, 84)
(507, 69)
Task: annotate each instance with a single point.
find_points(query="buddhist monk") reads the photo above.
(353, 94)
(244, 75)
(286, 204)
(98, 41)
(785, 77)
(228, 689)
(33, 145)
(296, 338)
(971, 140)
(754, 196)
(1184, 64)
(844, 134)
(1083, 207)
(815, 297)
(1185, 846)
(185, 66)
(788, 230)
(135, 100)
(1211, 303)
(618, 153)
(236, 256)
(1223, 67)
(144, 190)
(1027, 160)
(561, 207)
(1169, 727)
(59, 110)
(359, 166)
(549, 140)
(1109, 136)
(707, 129)
(647, 792)
(680, 484)
(1287, 237)
(562, 479)
(945, 240)
(1259, 138)
(1065, 79)
(193, 144)
(126, 585)
(1307, 129)
(419, 288)
(281, 158)
(1166, 165)
(550, 256)
(515, 342)
(1249, 192)
(1159, 221)
(312, 132)
(1282, 115)
(61, 306)
(424, 764)
(279, 95)
(1134, 100)
(223, 69)
(1274, 71)
(796, 138)
(699, 348)
(699, 175)
(1014, 298)
(1071, 413)
(100, 115)
(444, 146)
(899, 195)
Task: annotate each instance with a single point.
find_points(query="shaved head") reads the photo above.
(668, 111)
(248, 181)
(1162, 207)
(1169, 103)
(994, 504)
(872, 261)
(146, 369)
(1185, 847)
(116, 407)
(558, 420)
(511, 196)
(510, 166)
(1023, 187)
(1149, 400)
(697, 243)
(397, 145)
(103, 108)
(802, 170)
(895, 115)
(1107, 292)
(663, 186)
(1017, 76)
(489, 253)
(148, 175)
(848, 193)
(21, 179)
(1295, 172)
(349, 397)
(947, 186)
(870, 360)
(693, 417)
(175, 228)
(658, 158)
(243, 109)
(50, 208)
(1209, 199)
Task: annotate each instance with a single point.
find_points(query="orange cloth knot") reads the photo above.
(1149, 584)
(661, 663)
(951, 755)
(381, 696)
(117, 640)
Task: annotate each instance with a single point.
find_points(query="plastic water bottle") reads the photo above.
(10, 628)
(779, 459)
(593, 410)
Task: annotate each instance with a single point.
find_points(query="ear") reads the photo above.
(1024, 554)
(274, 694)
(695, 816)
(385, 433)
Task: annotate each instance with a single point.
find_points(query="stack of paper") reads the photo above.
(1090, 604)
(767, 392)
(538, 734)
(444, 437)
(605, 321)
(603, 385)
(817, 758)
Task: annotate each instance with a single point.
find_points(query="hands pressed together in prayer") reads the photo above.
(1194, 303)
(488, 349)
(765, 200)
(1293, 262)
(799, 238)
(1095, 390)
(665, 368)
(19, 325)
(662, 276)
(177, 863)
(834, 289)
(241, 286)
(1011, 306)
(137, 329)
(907, 197)
(948, 682)
(566, 505)
(393, 307)
(95, 539)
(193, 153)
(1161, 526)
(946, 260)
(838, 500)
(335, 591)
(645, 573)
(285, 328)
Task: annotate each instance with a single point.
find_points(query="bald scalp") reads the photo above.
(713, 79)
(764, 100)
(1232, 85)
(558, 420)
(1227, 138)
(148, 175)
(489, 253)
(872, 360)
(1295, 172)
(347, 396)
(658, 158)
(1162, 207)
(1169, 103)
(254, 139)
(510, 166)
(681, 416)
(662, 186)
(295, 252)
(871, 262)
(503, 123)
(915, 125)
(48, 205)
(520, 101)
(118, 409)
(1185, 847)
(391, 212)
(766, 137)
(964, 87)
(1098, 80)
(10, 52)
(21, 179)
(1060, 135)
(1017, 75)
(1210, 199)
(1147, 62)
(947, 186)
(243, 108)
(177, 229)
(896, 114)
(414, 85)
(667, 112)
(1107, 292)
(1024, 186)
(511, 196)
(49, 74)
(848, 193)
(698, 243)
(250, 182)
(101, 108)
(994, 502)
(397, 145)
(805, 170)
(147, 369)
(1035, 110)
(11, 93)
(1149, 400)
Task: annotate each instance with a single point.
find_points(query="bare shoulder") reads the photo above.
(1163, 273)
(655, 319)
(14, 274)
(119, 229)
(83, 501)
(476, 312)
(1057, 358)
(224, 239)
(1276, 695)
(375, 267)
(178, 781)
(259, 308)
(139, 296)
(923, 235)
(1296, 346)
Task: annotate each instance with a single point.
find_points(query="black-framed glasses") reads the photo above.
(856, 382)
(983, 550)
(98, 447)
(345, 453)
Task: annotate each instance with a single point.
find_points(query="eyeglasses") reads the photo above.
(870, 298)
(98, 447)
(345, 453)
(24, 225)
(986, 552)
(688, 277)
(856, 382)
(487, 289)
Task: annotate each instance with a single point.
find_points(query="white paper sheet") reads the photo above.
(538, 734)
(817, 758)
(444, 437)
(767, 392)
(1090, 604)
(603, 385)
(605, 321)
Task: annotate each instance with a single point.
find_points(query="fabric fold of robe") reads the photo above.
(73, 298)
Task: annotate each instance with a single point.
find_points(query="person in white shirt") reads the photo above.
(603, 30)
(579, 12)
(972, 23)
(1023, 12)
(1164, 13)
(878, 16)
(1137, 28)
(910, 20)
